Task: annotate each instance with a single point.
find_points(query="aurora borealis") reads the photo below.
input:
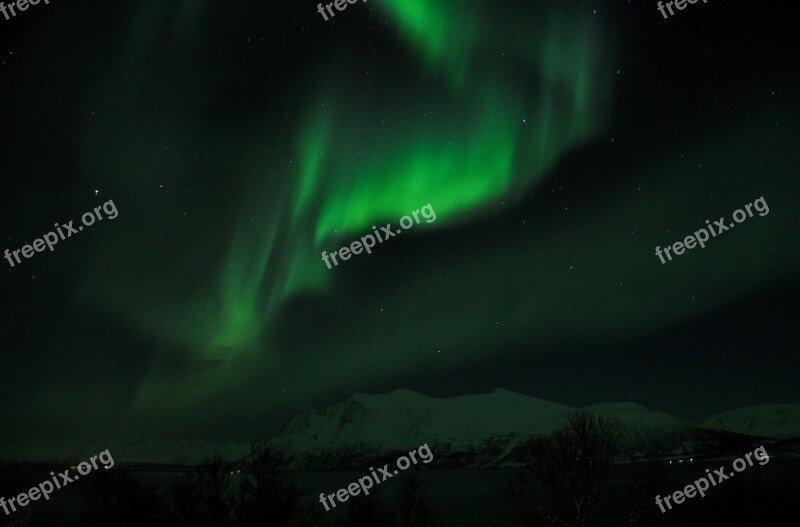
(558, 144)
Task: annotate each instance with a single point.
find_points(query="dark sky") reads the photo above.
(557, 144)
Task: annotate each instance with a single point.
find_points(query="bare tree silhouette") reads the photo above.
(201, 498)
(267, 494)
(24, 517)
(207, 496)
(566, 473)
(413, 507)
(648, 479)
(116, 498)
(367, 511)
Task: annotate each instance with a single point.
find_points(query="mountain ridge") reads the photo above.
(477, 430)
(486, 430)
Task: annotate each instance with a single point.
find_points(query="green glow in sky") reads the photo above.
(495, 134)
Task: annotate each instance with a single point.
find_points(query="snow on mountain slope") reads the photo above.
(780, 421)
(484, 430)
(364, 426)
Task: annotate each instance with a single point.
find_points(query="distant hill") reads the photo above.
(474, 431)
(779, 421)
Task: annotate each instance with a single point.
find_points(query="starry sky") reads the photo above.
(558, 142)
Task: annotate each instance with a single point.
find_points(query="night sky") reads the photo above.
(558, 143)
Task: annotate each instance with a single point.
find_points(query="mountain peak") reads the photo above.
(780, 421)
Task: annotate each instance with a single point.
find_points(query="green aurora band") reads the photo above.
(472, 126)
(493, 121)
(498, 134)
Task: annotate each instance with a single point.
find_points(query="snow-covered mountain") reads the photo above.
(779, 421)
(364, 427)
(471, 431)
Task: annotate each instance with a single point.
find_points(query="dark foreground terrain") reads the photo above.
(759, 496)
